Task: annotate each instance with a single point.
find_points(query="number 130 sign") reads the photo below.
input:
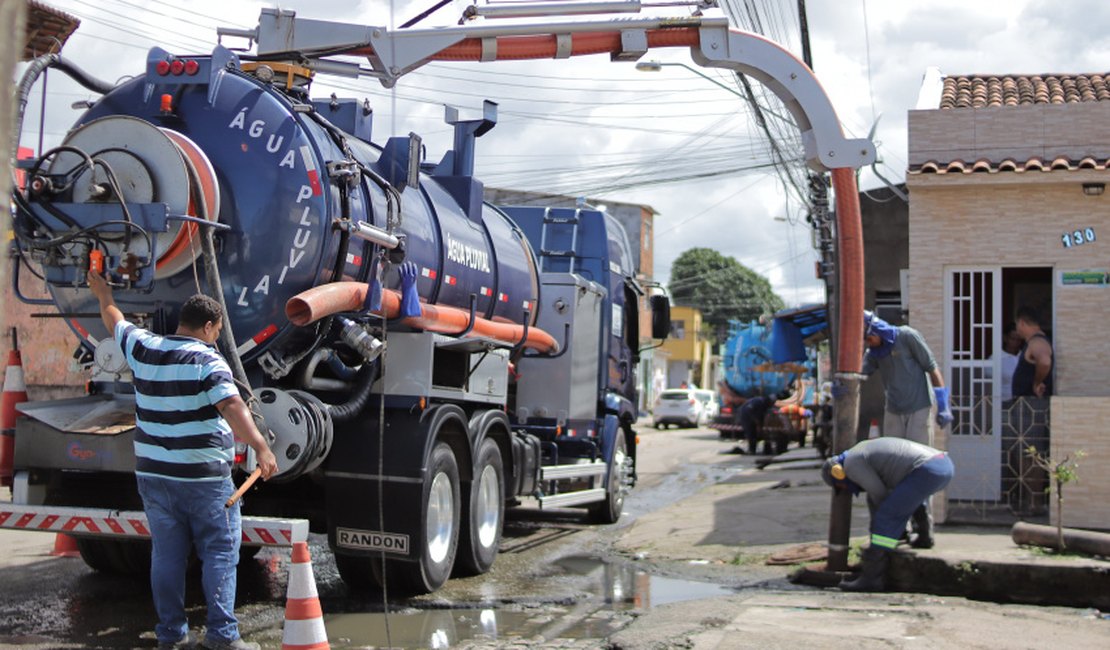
(1078, 237)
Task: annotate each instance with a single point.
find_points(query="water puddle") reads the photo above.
(614, 588)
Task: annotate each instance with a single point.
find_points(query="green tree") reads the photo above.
(722, 288)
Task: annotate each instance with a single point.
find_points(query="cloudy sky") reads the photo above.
(669, 139)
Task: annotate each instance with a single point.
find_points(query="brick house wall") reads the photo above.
(1015, 219)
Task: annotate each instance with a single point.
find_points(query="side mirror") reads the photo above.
(660, 317)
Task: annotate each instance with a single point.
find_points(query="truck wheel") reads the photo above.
(609, 510)
(480, 536)
(97, 554)
(118, 557)
(439, 513)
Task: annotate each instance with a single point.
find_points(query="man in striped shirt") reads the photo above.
(187, 410)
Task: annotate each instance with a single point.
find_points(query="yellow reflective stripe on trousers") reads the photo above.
(883, 541)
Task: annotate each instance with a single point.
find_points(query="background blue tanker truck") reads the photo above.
(778, 360)
(402, 435)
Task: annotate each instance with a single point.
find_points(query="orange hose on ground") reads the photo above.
(327, 299)
(849, 235)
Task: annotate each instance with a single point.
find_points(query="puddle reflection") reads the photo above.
(627, 586)
(616, 587)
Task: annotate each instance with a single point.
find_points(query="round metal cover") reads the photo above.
(109, 357)
(293, 437)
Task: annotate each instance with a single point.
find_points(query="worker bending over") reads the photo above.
(898, 476)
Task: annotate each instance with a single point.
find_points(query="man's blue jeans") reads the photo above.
(183, 514)
(889, 520)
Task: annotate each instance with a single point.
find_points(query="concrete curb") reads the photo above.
(1061, 583)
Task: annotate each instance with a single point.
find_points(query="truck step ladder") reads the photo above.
(559, 242)
(578, 497)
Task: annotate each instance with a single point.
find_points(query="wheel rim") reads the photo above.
(487, 515)
(440, 522)
(620, 473)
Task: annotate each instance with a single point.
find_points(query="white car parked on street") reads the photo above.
(709, 403)
(678, 406)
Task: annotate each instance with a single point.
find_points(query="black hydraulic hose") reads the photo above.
(346, 412)
(31, 75)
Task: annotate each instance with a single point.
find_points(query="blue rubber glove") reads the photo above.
(374, 298)
(944, 412)
(410, 299)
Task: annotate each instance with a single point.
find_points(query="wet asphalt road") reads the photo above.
(555, 579)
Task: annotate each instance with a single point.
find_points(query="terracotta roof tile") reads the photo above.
(46, 31)
(982, 91)
(1033, 164)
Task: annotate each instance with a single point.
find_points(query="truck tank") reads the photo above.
(206, 171)
(205, 138)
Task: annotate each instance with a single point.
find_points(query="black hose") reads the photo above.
(31, 75)
(346, 412)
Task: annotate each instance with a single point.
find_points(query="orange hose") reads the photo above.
(543, 46)
(849, 235)
(313, 304)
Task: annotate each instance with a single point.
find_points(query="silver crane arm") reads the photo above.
(393, 53)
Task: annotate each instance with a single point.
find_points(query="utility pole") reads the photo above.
(807, 55)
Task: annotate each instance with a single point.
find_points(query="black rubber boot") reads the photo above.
(923, 526)
(873, 576)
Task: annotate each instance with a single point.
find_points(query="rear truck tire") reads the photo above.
(609, 510)
(440, 515)
(484, 517)
(116, 557)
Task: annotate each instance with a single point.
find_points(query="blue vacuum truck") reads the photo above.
(775, 360)
(407, 414)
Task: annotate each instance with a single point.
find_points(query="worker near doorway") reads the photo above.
(1027, 421)
(1033, 374)
(908, 366)
(899, 476)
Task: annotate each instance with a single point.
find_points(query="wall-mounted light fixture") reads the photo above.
(1094, 189)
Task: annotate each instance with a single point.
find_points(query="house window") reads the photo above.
(678, 329)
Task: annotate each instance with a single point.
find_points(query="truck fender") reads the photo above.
(484, 424)
(621, 406)
(447, 422)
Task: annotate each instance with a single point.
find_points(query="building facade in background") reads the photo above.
(1008, 208)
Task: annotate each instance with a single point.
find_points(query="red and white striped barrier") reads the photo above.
(257, 531)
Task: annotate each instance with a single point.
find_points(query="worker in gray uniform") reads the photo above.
(898, 476)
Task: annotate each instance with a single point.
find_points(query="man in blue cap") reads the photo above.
(908, 366)
(898, 476)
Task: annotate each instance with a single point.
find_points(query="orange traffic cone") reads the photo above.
(873, 432)
(15, 392)
(65, 546)
(304, 619)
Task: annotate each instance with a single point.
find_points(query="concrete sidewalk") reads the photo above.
(782, 511)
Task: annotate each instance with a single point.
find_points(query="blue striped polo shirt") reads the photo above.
(179, 433)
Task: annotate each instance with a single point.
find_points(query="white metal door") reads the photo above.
(973, 300)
